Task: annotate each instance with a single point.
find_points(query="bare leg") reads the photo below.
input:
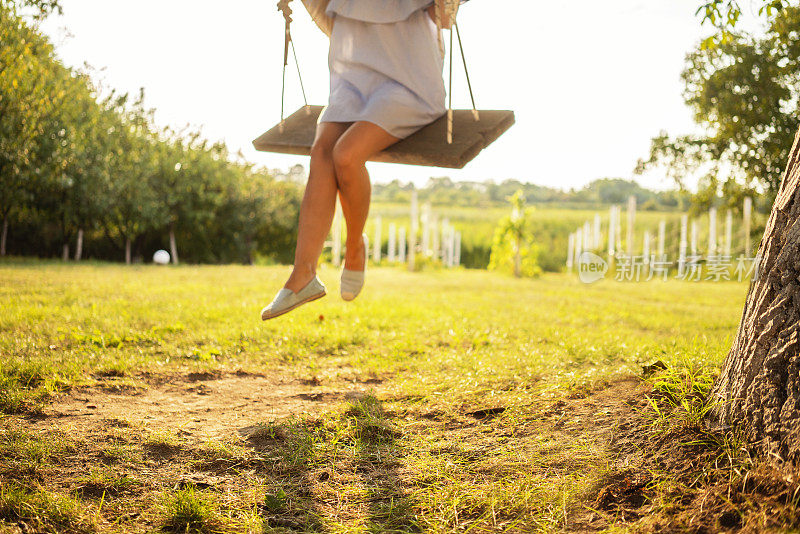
(350, 154)
(318, 206)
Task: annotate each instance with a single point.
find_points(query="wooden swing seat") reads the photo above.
(427, 147)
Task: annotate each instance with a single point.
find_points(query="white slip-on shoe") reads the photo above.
(353, 281)
(286, 300)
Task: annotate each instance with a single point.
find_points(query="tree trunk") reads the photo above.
(759, 387)
(127, 251)
(173, 246)
(4, 236)
(65, 252)
(79, 246)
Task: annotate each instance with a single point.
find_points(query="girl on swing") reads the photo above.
(385, 65)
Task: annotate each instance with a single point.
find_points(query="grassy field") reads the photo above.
(138, 399)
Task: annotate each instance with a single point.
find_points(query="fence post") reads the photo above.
(611, 230)
(426, 229)
(712, 231)
(682, 245)
(631, 220)
(412, 234)
(728, 232)
(570, 251)
(376, 246)
(401, 242)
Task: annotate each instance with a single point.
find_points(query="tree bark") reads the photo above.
(79, 246)
(173, 246)
(127, 251)
(759, 387)
(4, 236)
(65, 252)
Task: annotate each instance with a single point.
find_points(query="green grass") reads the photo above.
(408, 456)
(190, 511)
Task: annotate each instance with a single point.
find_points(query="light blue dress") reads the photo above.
(385, 65)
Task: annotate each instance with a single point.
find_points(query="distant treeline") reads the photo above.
(86, 173)
(444, 191)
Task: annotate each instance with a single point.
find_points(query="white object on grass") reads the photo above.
(161, 257)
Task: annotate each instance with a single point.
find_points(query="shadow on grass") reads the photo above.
(339, 470)
(378, 455)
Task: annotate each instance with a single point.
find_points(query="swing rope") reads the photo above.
(450, 96)
(438, 14)
(466, 73)
(283, 7)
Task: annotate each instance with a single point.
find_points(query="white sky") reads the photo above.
(591, 82)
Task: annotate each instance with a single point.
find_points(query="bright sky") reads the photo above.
(591, 82)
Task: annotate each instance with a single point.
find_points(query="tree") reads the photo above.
(134, 208)
(26, 88)
(744, 94)
(513, 248)
(759, 386)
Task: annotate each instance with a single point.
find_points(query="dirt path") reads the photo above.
(202, 406)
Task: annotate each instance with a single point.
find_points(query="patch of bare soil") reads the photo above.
(201, 405)
(687, 478)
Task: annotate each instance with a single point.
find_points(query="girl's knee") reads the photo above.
(322, 149)
(346, 159)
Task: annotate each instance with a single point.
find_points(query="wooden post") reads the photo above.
(426, 229)
(728, 232)
(694, 238)
(578, 246)
(451, 246)
(445, 244)
(376, 247)
(747, 212)
(437, 243)
(712, 231)
(457, 252)
(631, 221)
(79, 246)
(597, 238)
(611, 230)
(646, 248)
(587, 236)
(445, 234)
(412, 234)
(571, 251)
(401, 242)
(392, 246)
(619, 229)
(662, 233)
(682, 244)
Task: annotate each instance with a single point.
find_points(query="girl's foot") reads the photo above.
(353, 279)
(286, 300)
